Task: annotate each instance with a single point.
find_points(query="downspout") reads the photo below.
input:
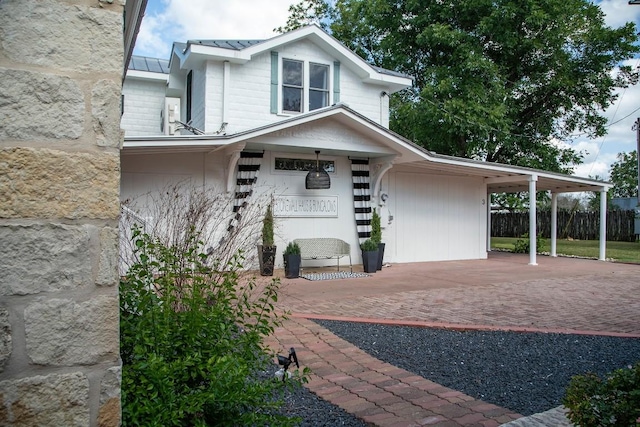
(384, 108)
(226, 76)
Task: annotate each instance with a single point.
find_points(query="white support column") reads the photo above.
(488, 203)
(532, 220)
(603, 225)
(554, 223)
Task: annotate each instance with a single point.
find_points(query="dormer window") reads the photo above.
(301, 93)
(292, 87)
(318, 86)
(300, 86)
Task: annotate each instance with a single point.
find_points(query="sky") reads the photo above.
(167, 21)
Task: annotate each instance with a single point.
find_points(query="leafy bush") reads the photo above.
(191, 341)
(614, 401)
(522, 245)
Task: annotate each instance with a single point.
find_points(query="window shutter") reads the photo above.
(274, 82)
(336, 82)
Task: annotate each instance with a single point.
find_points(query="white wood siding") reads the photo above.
(198, 90)
(143, 102)
(213, 104)
(363, 98)
(435, 218)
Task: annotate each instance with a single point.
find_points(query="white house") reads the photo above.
(268, 106)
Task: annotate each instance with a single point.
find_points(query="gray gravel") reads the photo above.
(524, 372)
(316, 412)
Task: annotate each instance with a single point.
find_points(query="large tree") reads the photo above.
(624, 175)
(497, 80)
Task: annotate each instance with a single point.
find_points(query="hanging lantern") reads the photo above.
(317, 178)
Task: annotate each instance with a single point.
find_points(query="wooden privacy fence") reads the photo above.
(577, 225)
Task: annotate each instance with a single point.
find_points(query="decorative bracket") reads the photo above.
(234, 156)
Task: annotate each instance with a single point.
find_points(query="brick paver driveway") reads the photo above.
(501, 291)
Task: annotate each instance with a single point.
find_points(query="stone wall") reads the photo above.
(60, 85)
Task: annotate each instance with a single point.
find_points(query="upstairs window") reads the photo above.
(292, 87)
(189, 95)
(318, 86)
(304, 86)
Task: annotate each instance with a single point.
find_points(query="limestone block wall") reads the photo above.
(60, 85)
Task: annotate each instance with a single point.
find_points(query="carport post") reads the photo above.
(603, 224)
(532, 220)
(488, 222)
(554, 222)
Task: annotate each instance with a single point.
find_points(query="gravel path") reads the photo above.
(524, 372)
(316, 412)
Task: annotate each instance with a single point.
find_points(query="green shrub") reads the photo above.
(614, 401)
(292, 249)
(267, 227)
(376, 230)
(369, 246)
(191, 342)
(522, 245)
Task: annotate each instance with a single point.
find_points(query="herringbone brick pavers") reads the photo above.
(502, 292)
(378, 393)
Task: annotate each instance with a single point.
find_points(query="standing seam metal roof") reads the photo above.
(152, 65)
(226, 44)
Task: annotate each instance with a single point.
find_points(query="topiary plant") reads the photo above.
(376, 231)
(267, 227)
(292, 249)
(369, 246)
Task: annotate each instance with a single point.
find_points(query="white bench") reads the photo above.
(324, 248)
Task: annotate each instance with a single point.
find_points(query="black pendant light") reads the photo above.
(317, 178)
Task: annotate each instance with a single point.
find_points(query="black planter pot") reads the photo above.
(380, 255)
(370, 261)
(292, 265)
(267, 259)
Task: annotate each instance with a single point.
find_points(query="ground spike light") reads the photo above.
(317, 178)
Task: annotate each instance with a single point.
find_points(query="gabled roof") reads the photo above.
(242, 51)
(386, 145)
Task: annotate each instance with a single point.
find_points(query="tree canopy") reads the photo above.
(624, 175)
(496, 80)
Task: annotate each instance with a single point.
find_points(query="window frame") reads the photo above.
(306, 85)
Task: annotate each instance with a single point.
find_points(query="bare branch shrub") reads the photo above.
(172, 214)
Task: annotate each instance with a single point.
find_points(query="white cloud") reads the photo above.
(619, 12)
(181, 20)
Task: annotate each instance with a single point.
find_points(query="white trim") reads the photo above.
(403, 151)
(147, 75)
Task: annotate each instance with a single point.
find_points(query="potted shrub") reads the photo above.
(376, 236)
(369, 256)
(267, 250)
(292, 260)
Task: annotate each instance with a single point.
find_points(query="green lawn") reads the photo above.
(618, 251)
